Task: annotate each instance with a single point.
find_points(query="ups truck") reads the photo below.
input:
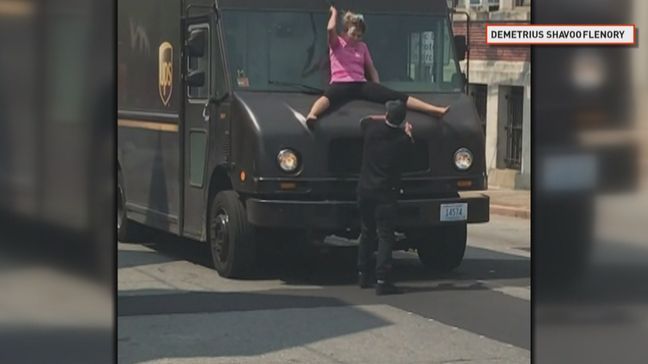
(212, 143)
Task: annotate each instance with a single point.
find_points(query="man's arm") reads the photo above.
(370, 119)
(407, 128)
(363, 123)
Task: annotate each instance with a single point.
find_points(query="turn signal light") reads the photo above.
(464, 183)
(288, 185)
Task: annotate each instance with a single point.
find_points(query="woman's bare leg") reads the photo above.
(318, 108)
(415, 104)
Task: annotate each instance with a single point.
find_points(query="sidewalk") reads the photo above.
(516, 203)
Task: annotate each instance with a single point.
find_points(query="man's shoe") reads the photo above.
(365, 280)
(385, 288)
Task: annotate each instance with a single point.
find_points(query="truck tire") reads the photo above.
(442, 249)
(230, 236)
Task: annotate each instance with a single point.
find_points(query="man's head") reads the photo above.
(396, 112)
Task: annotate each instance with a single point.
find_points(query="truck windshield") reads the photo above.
(288, 51)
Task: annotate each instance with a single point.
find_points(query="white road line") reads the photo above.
(502, 249)
(522, 293)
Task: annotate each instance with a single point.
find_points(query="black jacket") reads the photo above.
(384, 150)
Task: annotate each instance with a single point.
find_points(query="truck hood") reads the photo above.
(277, 120)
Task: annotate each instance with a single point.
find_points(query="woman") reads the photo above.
(353, 75)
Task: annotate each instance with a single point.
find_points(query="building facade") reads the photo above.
(500, 82)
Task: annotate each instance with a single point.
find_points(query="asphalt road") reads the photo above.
(173, 308)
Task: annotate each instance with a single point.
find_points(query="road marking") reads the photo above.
(522, 293)
(503, 249)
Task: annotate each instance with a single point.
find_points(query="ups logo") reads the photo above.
(165, 72)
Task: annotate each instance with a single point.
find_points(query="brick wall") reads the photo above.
(479, 50)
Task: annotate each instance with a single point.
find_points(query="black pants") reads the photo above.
(341, 92)
(377, 231)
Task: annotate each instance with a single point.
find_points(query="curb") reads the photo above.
(504, 210)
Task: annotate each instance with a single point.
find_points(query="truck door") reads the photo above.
(203, 70)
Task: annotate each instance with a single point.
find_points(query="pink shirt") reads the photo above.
(348, 60)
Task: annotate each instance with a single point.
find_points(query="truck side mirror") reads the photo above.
(195, 45)
(196, 79)
(461, 46)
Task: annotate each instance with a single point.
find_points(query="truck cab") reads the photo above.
(213, 143)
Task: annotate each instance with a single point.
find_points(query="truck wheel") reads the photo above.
(230, 236)
(442, 249)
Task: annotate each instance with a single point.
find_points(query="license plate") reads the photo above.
(454, 212)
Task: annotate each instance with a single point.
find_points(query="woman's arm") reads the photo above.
(331, 28)
(372, 72)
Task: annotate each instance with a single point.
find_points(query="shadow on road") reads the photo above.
(295, 265)
(460, 299)
(214, 332)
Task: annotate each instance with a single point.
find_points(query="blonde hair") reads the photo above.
(351, 19)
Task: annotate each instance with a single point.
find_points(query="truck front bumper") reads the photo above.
(340, 215)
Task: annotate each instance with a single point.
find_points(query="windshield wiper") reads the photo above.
(304, 87)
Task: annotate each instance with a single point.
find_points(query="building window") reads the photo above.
(515, 100)
(493, 5)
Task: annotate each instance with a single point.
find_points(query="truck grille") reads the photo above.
(345, 157)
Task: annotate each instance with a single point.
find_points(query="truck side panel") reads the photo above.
(149, 103)
(143, 26)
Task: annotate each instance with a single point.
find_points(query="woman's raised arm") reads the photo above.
(332, 27)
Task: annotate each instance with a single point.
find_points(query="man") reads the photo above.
(386, 141)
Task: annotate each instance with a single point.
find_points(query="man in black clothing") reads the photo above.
(387, 139)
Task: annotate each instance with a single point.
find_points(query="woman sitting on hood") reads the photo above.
(353, 74)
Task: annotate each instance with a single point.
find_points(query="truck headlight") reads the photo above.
(288, 160)
(463, 159)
